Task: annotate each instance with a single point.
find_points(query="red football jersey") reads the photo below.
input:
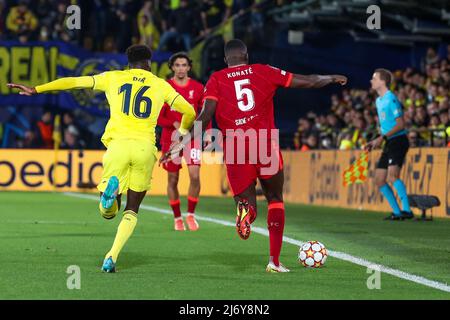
(193, 93)
(244, 95)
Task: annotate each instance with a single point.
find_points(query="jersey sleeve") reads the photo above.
(178, 103)
(68, 83)
(101, 81)
(169, 93)
(211, 89)
(396, 107)
(278, 77)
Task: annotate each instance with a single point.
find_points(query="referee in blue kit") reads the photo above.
(394, 134)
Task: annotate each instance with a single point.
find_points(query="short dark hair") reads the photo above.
(138, 53)
(385, 75)
(233, 45)
(179, 55)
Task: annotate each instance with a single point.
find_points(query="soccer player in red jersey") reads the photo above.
(169, 120)
(241, 97)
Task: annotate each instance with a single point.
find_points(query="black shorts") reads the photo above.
(394, 152)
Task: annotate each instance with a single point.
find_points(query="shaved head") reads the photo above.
(235, 52)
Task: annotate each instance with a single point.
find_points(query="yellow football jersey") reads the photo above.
(135, 97)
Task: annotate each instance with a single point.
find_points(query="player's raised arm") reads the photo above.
(85, 82)
(316, 81)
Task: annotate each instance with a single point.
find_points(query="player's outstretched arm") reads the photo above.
(205, 116)
(316, 81)
(85, 82)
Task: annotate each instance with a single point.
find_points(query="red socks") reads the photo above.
(175, 204)
(275, 224)
(192, 203)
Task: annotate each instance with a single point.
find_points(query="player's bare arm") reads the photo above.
(316, 81)
(205, 116)
(375, 143)
(24, 90)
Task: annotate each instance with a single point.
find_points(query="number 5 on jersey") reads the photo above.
(137, 100)
(243, 94)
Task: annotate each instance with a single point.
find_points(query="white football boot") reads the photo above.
(271, 267)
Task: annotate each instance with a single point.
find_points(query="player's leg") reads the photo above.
(246, 210)
(173, 170)
(381, 173)
(193, 196)
(393, 177)
(174, 198)
(112, 211)
(398, 155)
(242, 180)
(143, 158)
(273, 191)
(125, 228)
(115, 174)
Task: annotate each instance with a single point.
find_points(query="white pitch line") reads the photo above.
(335, 254)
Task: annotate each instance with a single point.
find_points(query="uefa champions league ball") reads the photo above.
(312, 254)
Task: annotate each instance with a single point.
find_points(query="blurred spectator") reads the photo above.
(430, 58)
(413, 137)
(444, 118)
(68, 120)
(45, 126)
(59, 29)
(311, 143)
(148, 32)
(119, 22)
(213, 13)
(180, 25)
(46, 13)
(21, 22)
(71, 138)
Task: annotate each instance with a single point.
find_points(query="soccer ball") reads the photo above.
(312, 254)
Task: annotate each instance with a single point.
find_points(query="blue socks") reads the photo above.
(389, 195)
(401, 191)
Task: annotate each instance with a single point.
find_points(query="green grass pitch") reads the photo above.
(42, 234)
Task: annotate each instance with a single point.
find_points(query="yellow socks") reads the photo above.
(109, 213)
(124, 232)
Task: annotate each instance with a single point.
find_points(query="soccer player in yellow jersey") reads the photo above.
(136, 97)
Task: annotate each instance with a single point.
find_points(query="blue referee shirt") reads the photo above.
(389, 109)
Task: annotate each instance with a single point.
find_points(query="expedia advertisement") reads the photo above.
(80, 171)
(316, 178)
(35, 63)
(310, 177)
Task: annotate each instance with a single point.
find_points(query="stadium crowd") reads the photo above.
(352, 120)
(113, 25)
(174, 25)
(36, 130)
